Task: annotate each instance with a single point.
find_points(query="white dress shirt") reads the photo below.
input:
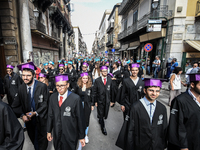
(103, 79)
(64, 96)
(193, 97)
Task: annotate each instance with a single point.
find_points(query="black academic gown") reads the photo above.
(11, 86)
(131, 92)
(66, 121)
(102, 94)
(12, 134)
(21, 105)
(43, 71)
(87, 103)
(140, 73)
(142, 135)
(115, 85)
(184, 124)
(72, 78)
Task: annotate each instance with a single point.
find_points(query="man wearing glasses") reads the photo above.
(11, 82)
(61, 69)
(30, 104)
(65, 117)
(102, 96)
(147, 125)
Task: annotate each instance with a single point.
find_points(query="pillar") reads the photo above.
(25, 30)
(66, 51)
(61, 54)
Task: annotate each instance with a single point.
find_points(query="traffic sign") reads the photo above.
(113, 50)
(106, 52)
(148, 47)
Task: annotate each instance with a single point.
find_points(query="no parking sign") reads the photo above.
(148, 47)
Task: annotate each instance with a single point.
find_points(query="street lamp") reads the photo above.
(36, 12)
(155, 4)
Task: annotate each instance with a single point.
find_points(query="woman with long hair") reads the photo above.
(44, 78)
(96, 72)
(84, 90)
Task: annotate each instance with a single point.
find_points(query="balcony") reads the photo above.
(125, 5)
(41, 27)
(109, 44)
(162, 11)
(54, 35)
(110, 28)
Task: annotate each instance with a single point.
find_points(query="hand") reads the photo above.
(92, 108)
(172, 89)
(96, 104)
(50, 91)
(184, 149)
(49, 137)
(82, 142)
(112, 103)
(30, 114)
(25, 118)
(113, 78)
(123, 108)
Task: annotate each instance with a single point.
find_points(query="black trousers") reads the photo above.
(101, 122)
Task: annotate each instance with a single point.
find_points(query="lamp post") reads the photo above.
(36, 12)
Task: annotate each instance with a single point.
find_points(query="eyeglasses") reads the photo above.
(84, 67)
(61, 69)
(61, 86)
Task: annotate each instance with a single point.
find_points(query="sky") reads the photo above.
(87, 15)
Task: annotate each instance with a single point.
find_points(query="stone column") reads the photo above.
(61, 54)
(25, 30)
(66, 51)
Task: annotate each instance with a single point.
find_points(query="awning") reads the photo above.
(194, 44)
(122, 49)
(132, 48)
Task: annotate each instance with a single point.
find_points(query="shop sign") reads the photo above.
(154, 27)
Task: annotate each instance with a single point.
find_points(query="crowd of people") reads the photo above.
(55, 101)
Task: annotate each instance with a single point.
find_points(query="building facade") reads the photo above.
(102, 35)
(80, 45)
(39, 30)
(114, 27)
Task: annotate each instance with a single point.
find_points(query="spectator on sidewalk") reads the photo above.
(148, 66)
(157, 66)
(195, 65)
(175, 84)
(174, 64)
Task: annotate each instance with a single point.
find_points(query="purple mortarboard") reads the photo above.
(85, 64)
(107, 62)
(134, 65)
(110, 75)
(42, 75)
(119, 62)
(61, 77)
(104, 67)
(61, 65)
(194, 77)
(84, 74)
(153, 82)
(29, 65)
(9, 67)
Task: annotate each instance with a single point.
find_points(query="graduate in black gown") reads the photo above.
(12, 134)
(72, 75)
(84, 69)
(44, 78)
(102, 94)
(12, 81)
(65, 117)
(132, 89)
(30, 104)
(147, 125)
(116, 80)
(45, 69)
(52, 72)
(184, 123)
(84, 90)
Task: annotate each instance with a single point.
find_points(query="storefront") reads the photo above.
(45, 48)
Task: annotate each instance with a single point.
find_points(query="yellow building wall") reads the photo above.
(191, 7)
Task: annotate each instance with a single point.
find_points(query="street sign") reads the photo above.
(154, 21)
(106, 52)
(154, 27)
(148, 47)
(113, 50)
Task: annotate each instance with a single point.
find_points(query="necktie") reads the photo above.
(104, 81)
(151, 115)
(29, 97)
(60, 101)
(9, 77)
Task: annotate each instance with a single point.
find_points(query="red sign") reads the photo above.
(148, 47)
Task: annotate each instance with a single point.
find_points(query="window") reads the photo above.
(135, 16)
(125, 24)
